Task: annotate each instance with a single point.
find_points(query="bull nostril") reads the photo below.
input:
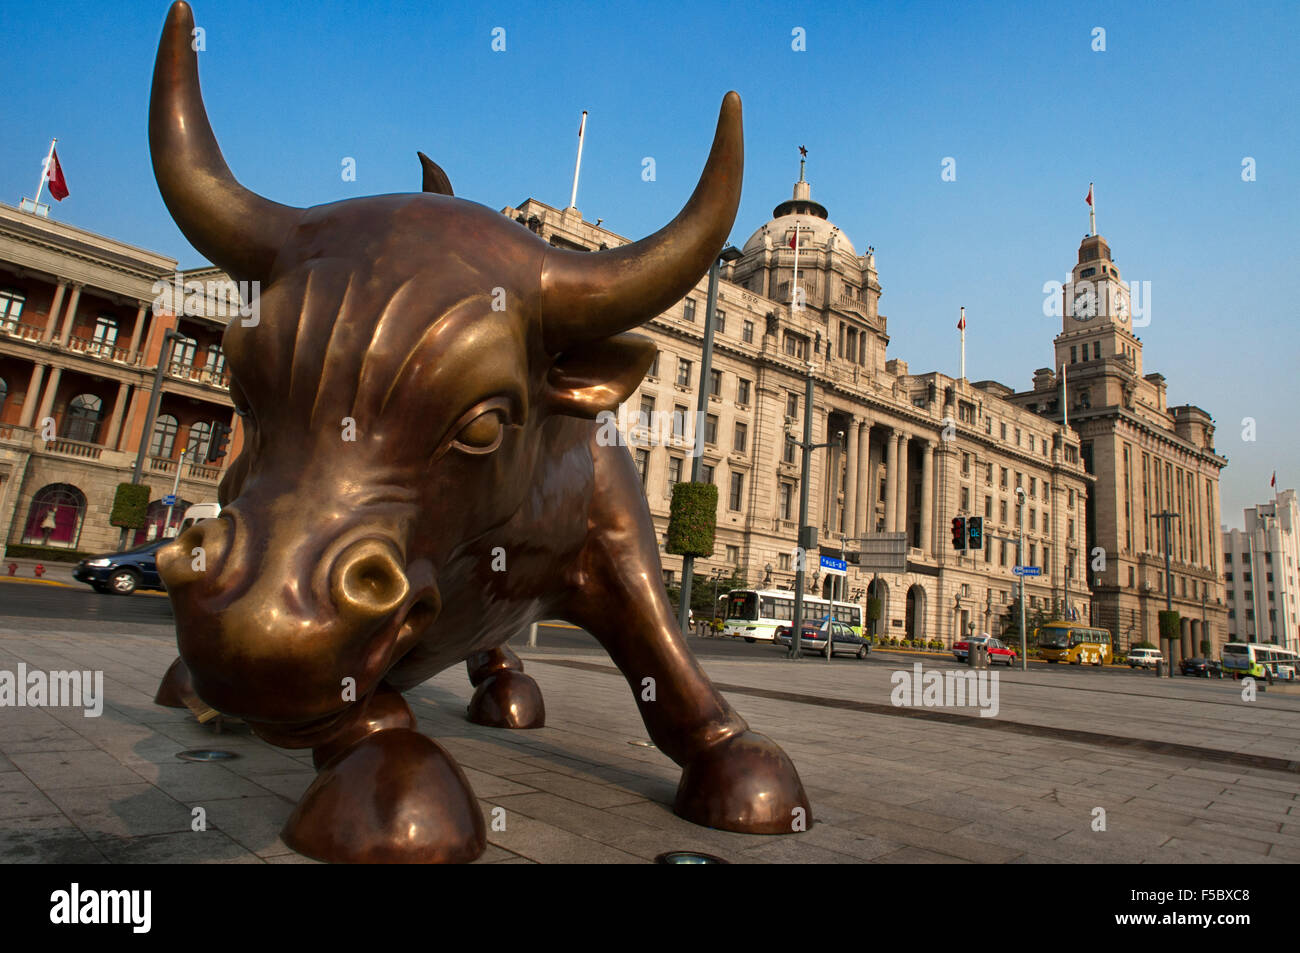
(368, 580)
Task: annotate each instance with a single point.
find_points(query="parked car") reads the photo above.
(812, 637)
(123, 573)
(1144, 658)
(999, 652)
(1201, 668)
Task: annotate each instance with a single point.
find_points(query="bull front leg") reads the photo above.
(504, 697)
(386, 794)
(732, 778)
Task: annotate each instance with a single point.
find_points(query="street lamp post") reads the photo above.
(806, 537)
(730, 253)
(1166, 647)
(1020, 561)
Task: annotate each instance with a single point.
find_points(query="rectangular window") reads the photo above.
(1069, 532)
(1033, 487)
(965, 499)
(674, 470)
(747, 332)
(988, 507)
(1096, 350)
(715, 383)
(733, 555)
(1003, 481)
(719, 321)
(988, 475)
(643, 465)
(1002, 429)
(683, 372)
(1002, 512)
(742, 392)
(654, 366)
(741, 437)
(737, 490)
(792, 405)
(783, 562)
(795, 345)
(965, 464)
(1017, 436)
(786, 498)
(1074, 356)
(1033, 520)
(679, 421)
(788, 454)
(646, 415)
(688, 310)
(706, 473)
(711, 429)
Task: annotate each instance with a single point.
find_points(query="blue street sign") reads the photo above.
(169, 500)
(1027, 571)
(834, 566)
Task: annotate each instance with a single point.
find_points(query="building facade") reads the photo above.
(1155, 467)
(82, 324)
(1260, 573)
(916, 449)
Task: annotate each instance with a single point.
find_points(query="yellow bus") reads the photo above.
(1073, 643)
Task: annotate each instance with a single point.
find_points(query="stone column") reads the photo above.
(115, 421)
(891, 481)
(900, 521)
(862, 521)
(47, 400)
(55, 305)
(851, 490)
(927, 497)
(71, 317)
(32, 397)
(135, 333)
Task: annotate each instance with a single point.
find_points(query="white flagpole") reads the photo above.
(577, 167)
(1092, 209)
(45, 174)
(794, 285)
(963, 343)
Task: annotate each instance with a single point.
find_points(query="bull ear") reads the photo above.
(598, 375)
(435, 180)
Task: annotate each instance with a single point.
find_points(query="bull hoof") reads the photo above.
(394, 797)
(508, 699)
(745, 783)
(175, 686)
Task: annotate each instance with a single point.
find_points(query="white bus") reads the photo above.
(1255, 658)
(754, 614)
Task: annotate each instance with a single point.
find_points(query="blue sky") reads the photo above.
(1161, 121)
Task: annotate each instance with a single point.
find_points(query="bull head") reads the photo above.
(448, 339)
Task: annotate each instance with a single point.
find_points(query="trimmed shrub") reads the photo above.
(1169, 625)
(49, 555)
(692, 519)
(130, 503)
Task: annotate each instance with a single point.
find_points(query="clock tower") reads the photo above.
(1096, 345)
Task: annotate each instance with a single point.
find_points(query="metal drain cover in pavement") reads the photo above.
(205, 754)
(688, 857)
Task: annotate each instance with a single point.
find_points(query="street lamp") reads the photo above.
(1020, 557)
(728, 254)
(807, 536)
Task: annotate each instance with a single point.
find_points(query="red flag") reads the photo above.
(54, 175)
(794, 240)
(1273, 482)
(1089, 198)
(961, 324)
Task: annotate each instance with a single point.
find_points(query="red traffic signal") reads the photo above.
(959, 532)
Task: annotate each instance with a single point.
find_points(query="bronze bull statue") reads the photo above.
(469, 358)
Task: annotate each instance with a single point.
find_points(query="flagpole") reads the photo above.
(963, 343)
(577, 167)
(1092, 209)
(45, 174)
(794, 285)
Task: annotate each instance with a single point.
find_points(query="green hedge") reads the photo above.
(692, 519)
(1170, 625)
(130, 504)
(49, 555)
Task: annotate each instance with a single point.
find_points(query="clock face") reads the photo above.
(1085, 302)
(1121, 309)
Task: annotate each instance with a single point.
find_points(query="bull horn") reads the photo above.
(435, 180)
(591, 295)
(234, 228)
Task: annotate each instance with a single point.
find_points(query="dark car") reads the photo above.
(813, 639)
(123, 573)
(1201, 668)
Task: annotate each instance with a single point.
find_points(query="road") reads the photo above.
(35, 607)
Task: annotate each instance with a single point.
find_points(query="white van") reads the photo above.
(199, 511)
(1144, 658)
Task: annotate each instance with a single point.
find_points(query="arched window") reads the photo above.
(164, 437)
(54, 518)
(11, 307)
(154, 519)
(196, 447)
(183, 351)
(82, 420)
(216, 362)
(105, 335)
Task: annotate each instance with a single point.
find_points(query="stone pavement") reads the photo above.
(885, 785)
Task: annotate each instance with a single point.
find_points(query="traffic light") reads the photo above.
(959, 532)
(217, 444)
(975, 532)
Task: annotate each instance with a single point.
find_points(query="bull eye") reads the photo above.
(482, 434)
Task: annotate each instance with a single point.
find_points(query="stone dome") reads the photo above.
(816, 231)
